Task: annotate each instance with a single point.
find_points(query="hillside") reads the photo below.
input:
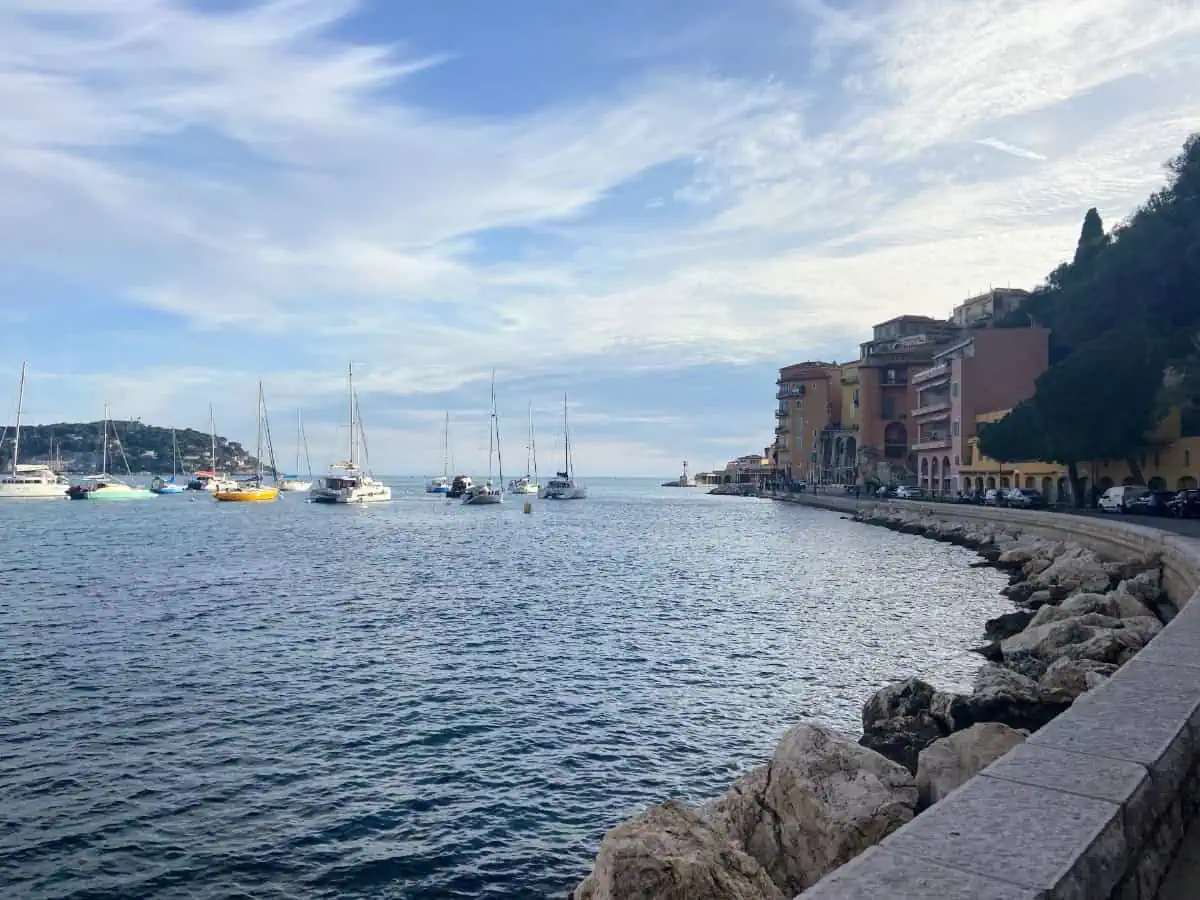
(148, 447)
(1124, 315)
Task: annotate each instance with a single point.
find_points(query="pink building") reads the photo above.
(989, 369)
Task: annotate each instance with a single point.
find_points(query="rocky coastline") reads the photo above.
(823, 797)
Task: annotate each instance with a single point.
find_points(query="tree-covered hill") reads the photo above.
(147, 447)
(1124, 315)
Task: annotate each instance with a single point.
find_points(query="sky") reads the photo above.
(650, 205)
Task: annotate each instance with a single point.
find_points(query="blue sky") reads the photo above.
(649, 204)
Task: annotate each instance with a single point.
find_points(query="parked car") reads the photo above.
(1185, 504)
(991, 497)
(1151, 503)
(969, 497)
(1118, 498)
(1024, 498)
(885, 492)
(907, 492)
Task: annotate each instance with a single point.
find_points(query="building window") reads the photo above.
(956, 459)
(799, 404)
(954, 389)
(856, 398)
(889, 407)
(956, 429)
(890, 376)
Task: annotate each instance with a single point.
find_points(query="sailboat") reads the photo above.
(563, 485)
(29, 481)
(483, 494)
(162, 485)
(441, 484)
(103, 486)
(256, 490)
(348, 483)
(211, 480)
(295, 482)
(527, 483)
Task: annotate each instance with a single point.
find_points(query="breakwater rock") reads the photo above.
(824, 798)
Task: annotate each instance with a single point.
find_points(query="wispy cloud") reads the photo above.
(219, 187)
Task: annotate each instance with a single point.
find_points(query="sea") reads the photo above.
(420, 699)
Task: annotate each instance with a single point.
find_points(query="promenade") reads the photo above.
(1182, 878)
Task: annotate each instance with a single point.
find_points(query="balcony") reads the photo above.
(933, 372)
(789, 390)
(931, 407)
(933, 442)
(781, 413)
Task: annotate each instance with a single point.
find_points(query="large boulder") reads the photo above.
(1007, 624)
(1069, 678)
(819, 802)
(1048, 641)
(909, 697)
(1000, 695)
(949, 762)
(670, 852)
(1076, 569)
(1077, 605)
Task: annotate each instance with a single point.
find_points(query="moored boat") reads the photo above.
(294, 483)
(485, 494)
(347, 481)
(31, 481)
(527, 483)
(563, 485)
(459, 486)
(440, 484)
(162, 485)
(103, 486)
(255, 490)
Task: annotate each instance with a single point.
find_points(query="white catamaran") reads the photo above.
(294, 482)
(347, 482)
(482, 494)
(32, 480)
(103, 486)
(527, 483)
(563, 485)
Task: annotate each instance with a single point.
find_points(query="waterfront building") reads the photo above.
(808, 400)
(982, 310)
(1170, 461)
(984, 370)
(882, 381)
(977, 472)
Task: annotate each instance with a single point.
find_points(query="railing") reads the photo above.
(932, 443)
(931, 372)
(781, 413)
(790, 390)
(932, 407)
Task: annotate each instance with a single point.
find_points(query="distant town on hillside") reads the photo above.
(75, 448)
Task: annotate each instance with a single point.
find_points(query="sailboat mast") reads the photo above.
(446, 447)
(258, 414)
(298, 436)
(566, 441)
(104, 444)
(212, 427)
(350, 396)
(491, 428)
(17, 436)
(174, 454)
(496, 423)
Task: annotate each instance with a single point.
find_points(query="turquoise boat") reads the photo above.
(162, 485)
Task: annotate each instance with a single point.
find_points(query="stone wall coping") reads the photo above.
(1066, 814)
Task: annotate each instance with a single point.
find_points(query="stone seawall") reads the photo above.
(1094, 804)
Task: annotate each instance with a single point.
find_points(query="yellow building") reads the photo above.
(977, 472)
(1170, 461)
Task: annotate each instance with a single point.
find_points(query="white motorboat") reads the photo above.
(295, 483)
(484, 494)
(459, 486)
(527, 483)
(348, 482)
(32, 481)
(563, 485)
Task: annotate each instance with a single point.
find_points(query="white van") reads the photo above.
(1115, 499)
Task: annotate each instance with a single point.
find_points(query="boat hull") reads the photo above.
(295, 485)
(438, 489)
(379, 494)
(19, 491)
(523, 487)
(248, 495)
(570, 493)
(482, 499)
(108, 492)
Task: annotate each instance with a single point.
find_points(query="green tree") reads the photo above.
(1091, 237)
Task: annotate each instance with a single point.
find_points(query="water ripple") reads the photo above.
(421, 700)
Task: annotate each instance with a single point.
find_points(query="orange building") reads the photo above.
(809, 400)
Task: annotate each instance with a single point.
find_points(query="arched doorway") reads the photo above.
(1128, 479)
(1030, 481)
(1187, 483)
(924, 472)
(1064, 491)
(1105, 483)
(991, 483)
(934, 480)
(978, 482)
(1047, 488)
(852, 459)
(946, 475)
(1157, 484)
(1005, 484)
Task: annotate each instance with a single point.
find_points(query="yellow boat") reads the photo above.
(250, 494)
(255, 491)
